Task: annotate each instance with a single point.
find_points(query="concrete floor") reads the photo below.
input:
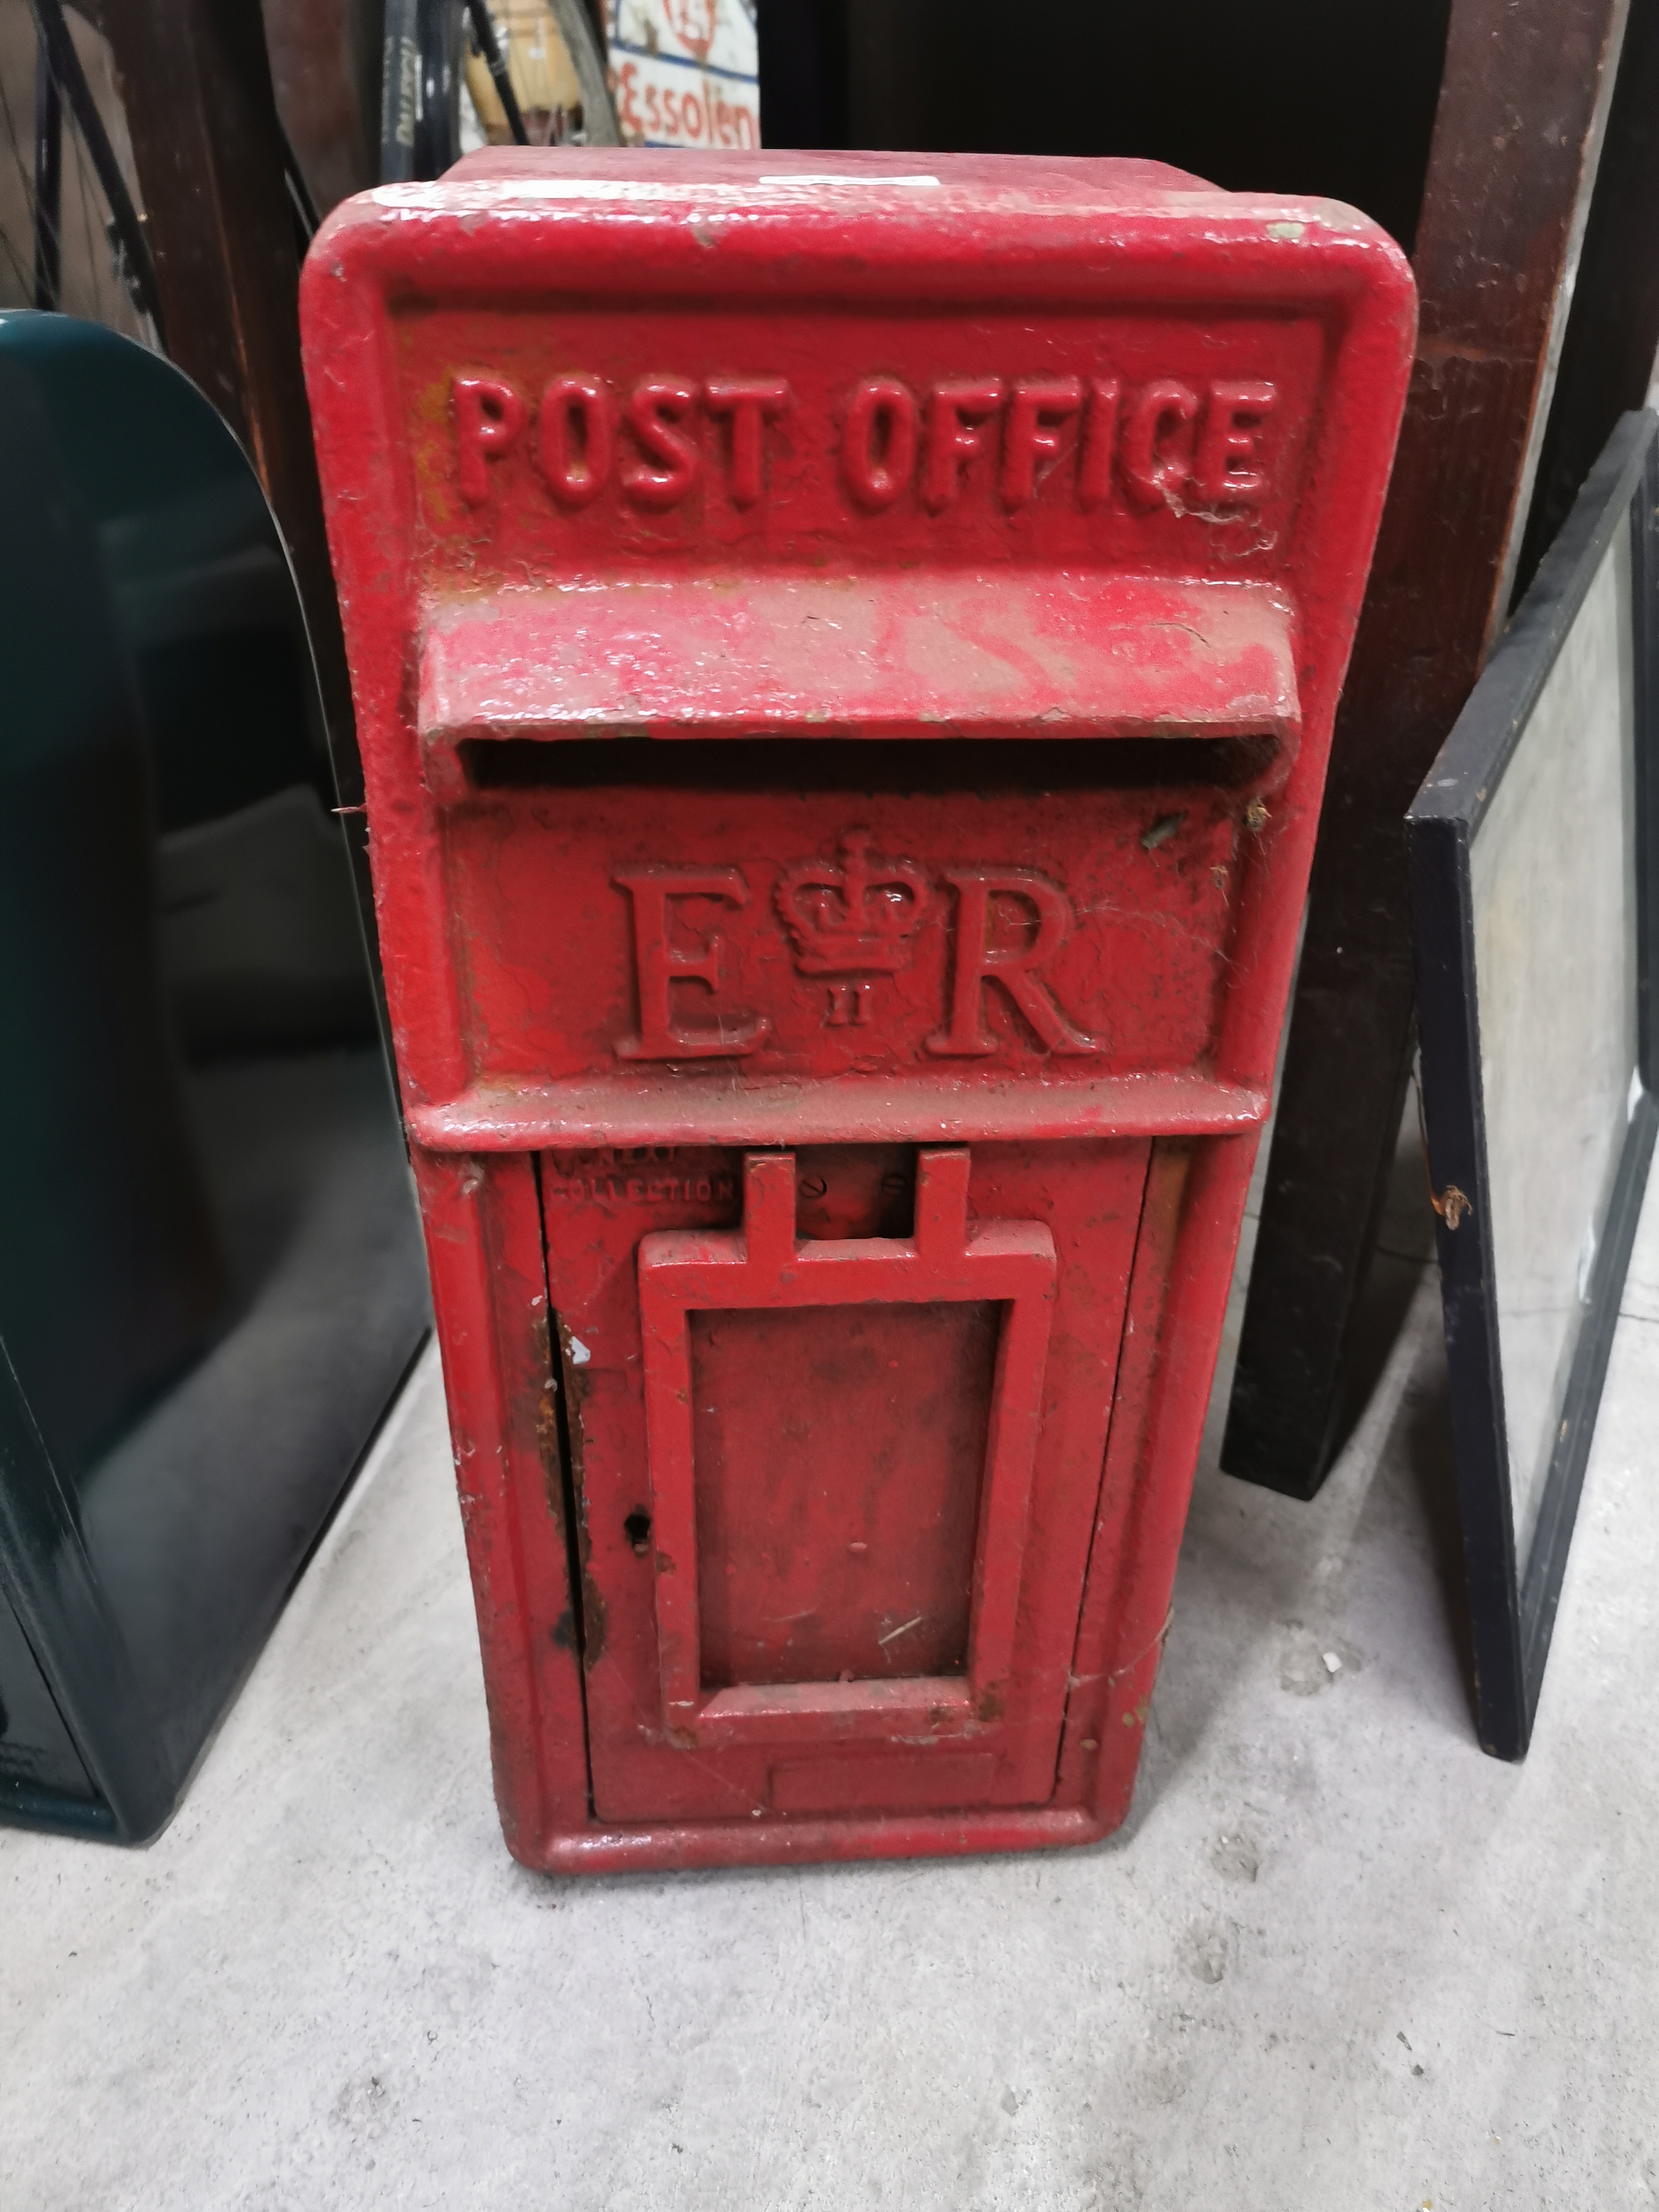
(1335, 1959)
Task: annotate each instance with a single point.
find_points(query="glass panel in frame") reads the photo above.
(1530, 848)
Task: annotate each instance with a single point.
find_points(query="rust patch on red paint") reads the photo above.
(594, 1612)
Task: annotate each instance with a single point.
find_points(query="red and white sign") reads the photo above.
(686, 73)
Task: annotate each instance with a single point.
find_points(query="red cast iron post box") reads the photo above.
(845, 649)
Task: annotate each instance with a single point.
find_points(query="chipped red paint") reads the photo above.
(845, 670)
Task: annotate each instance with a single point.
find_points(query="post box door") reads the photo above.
(835, 1419)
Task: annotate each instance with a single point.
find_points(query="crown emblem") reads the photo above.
(859, 918)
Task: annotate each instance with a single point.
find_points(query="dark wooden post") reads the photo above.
(325, 67)
(1613, 331)
(1517, 135)
(196, 84)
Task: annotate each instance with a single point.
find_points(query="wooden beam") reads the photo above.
(195, 81)
(325, 66)
(1613, 330)
(1517, 129)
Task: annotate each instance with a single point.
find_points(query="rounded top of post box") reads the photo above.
(679, 450)
(947, 218)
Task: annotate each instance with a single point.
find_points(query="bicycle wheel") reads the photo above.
(421, 85)
(71, 238)
(421, 90)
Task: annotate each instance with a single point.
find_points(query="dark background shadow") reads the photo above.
(1334, 98)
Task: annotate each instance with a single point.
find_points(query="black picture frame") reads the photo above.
(1513, 1603)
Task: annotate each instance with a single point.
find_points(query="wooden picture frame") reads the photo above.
(1533, 853)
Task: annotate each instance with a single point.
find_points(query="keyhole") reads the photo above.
(637, 1529)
